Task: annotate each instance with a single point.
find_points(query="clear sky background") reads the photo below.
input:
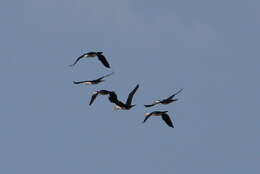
(208, 48)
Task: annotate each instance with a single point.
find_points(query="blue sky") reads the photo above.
(208, 48)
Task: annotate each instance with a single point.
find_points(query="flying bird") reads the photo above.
(93, 82)
(99, 55)
(119, 104)
(95, 94)
(165, 101)
(163, 115)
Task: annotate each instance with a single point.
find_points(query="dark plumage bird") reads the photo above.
(93, 82)
(95, 94)
(120, 105)
(99, 55)
(165, 101)
(164, 116)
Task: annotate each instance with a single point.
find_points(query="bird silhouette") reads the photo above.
(93, 82)
(165, 101)
(119, 104)
(166, 118)
(99, 55)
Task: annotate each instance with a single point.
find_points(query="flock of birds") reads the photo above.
(112, 96)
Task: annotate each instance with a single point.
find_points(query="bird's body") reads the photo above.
(165, 101)
(91, 54)
(92, 82)
(96, 93)
(155, 113)
(120, 105)
(99, 55)
(164, 116)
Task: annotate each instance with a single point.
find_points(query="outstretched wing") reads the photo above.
(94, 96)
(80, 57)
(167, 120)
(169, 98)
(149, 105)
(100, 78)
(112, 97)
(155, 103)
(103, 60)
(130, 96)
(146, 118)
